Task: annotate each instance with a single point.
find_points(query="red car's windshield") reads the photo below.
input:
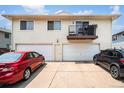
(9, 57)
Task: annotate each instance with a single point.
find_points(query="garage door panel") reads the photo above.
(78, 52)
(46, 50)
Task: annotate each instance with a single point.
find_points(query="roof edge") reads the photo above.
(112, 16)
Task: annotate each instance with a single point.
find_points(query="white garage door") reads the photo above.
(46, 50)
(79, 52)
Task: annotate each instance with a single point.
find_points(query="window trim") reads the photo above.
(53, 25)
(27, 20)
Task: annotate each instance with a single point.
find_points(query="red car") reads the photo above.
(15, 66)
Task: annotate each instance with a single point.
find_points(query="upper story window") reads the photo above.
(6, 35)
(114, 38)
(26, 25)
(54, 25)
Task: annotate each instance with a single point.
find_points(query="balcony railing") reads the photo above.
(82, 32)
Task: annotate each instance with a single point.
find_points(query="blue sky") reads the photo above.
(118, 25)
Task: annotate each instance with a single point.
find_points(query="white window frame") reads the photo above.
(54, 29)
(27, 20)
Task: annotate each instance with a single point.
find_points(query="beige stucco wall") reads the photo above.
(4, 41)
(40, 34)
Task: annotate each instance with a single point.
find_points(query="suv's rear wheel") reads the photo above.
(114, 71)
(27, 74)
(95, 60)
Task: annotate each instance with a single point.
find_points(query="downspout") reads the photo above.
(111, 32)
(12, 48)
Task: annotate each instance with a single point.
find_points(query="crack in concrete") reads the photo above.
(54, 76)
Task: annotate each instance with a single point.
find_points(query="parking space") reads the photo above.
(69, 75)
(73, 75)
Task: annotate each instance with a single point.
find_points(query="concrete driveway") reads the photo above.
(73, 75)
(69, 75)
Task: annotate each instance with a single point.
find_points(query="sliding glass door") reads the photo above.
(81, 26)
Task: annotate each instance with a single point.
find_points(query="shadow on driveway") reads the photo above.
(91, 62)
(121, 79)
(84, 62)
(22, 83)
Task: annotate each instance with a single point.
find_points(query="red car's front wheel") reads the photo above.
(27, 74)
(43, 62)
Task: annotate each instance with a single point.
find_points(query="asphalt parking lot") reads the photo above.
(70, 75)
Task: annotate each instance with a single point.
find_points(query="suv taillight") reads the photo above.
(122, 60)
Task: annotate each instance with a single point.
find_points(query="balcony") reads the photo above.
(79, 32)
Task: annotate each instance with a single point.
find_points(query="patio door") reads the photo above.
(80, 26)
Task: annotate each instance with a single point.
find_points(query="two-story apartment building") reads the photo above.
(5, 38)
(62, 37)
(118, 40)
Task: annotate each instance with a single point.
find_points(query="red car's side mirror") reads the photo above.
(40, 55)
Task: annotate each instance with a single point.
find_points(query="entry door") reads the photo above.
(80, 25)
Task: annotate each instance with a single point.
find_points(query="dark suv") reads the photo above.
(113, 60)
